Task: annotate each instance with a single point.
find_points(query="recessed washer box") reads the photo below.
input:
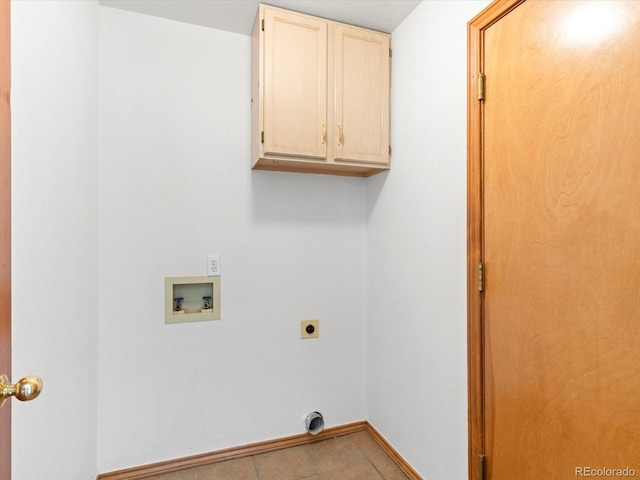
(191, 299)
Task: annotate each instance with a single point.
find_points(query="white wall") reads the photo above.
(417, 376)
(55, 236)
(175, 185)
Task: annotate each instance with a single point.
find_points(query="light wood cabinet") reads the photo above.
(320, 95)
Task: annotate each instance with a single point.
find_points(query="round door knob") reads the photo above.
(26, 389)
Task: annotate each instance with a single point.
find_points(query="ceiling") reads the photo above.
(238, 15)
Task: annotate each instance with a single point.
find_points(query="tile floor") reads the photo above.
(350, 457)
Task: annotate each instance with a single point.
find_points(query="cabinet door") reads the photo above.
(361, 95)
(295, 85)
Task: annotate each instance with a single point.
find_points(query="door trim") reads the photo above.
(475, 242)
(5, 229)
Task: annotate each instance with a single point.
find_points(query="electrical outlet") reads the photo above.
(309, 328)
(213, 265)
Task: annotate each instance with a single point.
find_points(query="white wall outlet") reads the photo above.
(309, 328)
(213, 265)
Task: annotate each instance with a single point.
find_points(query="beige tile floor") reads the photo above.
(351, 457)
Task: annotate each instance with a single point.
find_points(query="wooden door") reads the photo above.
(362, 65)
(555, 218)
(295, 85)
(5, 232)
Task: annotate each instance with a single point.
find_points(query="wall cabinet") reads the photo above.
(320, 95)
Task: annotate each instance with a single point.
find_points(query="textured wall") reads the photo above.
(55, 236)
(175, 186)
(381, 261)
(417, 375)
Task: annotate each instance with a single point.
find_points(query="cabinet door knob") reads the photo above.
(340, 136)
(324, 133)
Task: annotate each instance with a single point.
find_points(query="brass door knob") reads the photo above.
(26, 389)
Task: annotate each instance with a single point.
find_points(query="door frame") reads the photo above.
(5, 229)
(475, 227)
